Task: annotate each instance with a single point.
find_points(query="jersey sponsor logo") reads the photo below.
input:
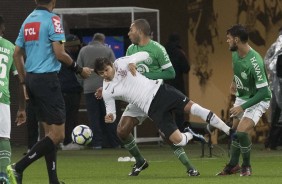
(31, 31)
(257, 68)
(57, 25)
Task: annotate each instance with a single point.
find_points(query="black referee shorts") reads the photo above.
(45, 94)
(167, 99)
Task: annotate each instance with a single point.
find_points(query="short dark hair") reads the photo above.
(101, 63)
(143, 25)
(43, 2)
(240, 31)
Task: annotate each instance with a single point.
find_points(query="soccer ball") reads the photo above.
(82, 135)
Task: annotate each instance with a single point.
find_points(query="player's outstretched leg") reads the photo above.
(209, 117)
(196, 137)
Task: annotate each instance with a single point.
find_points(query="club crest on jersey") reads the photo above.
(57, 24)
(31, 31)
(142, 68)
(148, 61)
(244, 75)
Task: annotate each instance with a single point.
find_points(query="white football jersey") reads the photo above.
(137, 90)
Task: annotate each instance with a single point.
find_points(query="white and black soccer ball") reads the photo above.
(82, 135)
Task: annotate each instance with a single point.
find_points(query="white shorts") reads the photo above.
(134, 111)
(5, 120)
(254, 112)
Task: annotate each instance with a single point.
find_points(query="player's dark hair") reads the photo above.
(43, 2)
(143, 25)
(101, 63)
(240, 31)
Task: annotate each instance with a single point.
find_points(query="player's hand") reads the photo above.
(235, 111)
(132, 68)
(109, 118)
(86, 72)
(98, 94)
(21, 117)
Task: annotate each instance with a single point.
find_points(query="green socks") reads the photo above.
(5, 154)
(245, 146)
(234, 152)
(131, 146)
(181, 155)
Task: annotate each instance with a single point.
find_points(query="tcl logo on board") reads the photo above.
(57, 24)
(31, 31)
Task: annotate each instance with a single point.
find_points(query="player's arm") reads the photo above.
(63, 57)
(168, 73)
(19, 64)
(110, 108)
(134, 59)
(258, 97)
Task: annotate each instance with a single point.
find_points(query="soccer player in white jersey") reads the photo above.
(252, 92)
(155, 99)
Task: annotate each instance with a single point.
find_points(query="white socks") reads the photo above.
(186, 137)
(209, 117)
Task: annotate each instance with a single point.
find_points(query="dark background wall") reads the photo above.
(173, 18)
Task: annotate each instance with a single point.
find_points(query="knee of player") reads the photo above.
(123, 132)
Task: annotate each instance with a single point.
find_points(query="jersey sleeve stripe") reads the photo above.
(166, 66)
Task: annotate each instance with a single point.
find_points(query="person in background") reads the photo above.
(181, 66)
(71, 90)
(96, 106)
(250, 85)
(41, 40)
(273, 62)
(7, 66)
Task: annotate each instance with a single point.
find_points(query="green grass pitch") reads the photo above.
(101, 167)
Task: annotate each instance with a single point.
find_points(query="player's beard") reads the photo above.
(136, 40)
(233, 47)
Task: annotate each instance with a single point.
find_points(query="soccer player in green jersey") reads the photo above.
(157, 66)
(250, 85)
(6, 64)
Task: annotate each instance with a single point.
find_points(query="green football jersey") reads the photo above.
(249, 75)
(6, 64)
(158, 58)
